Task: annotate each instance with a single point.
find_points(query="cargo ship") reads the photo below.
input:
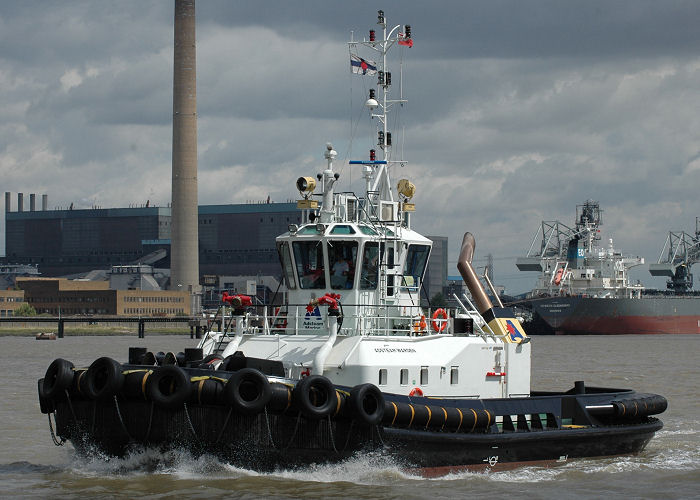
(584, 286)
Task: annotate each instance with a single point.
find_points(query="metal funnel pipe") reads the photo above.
(464, 265)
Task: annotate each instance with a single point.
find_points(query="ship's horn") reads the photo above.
(464, 265)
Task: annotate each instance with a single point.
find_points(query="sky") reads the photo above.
(517, 111)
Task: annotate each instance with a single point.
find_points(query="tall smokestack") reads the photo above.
(8, 201)
(184, 258)
(20, 202)
(32, 202)
(44, 201)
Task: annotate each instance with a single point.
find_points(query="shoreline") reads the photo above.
(91, 330)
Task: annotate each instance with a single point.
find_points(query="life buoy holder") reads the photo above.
(416, 391)
(439, 322)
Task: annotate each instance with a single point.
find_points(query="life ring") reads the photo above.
(416, 391)
(103, 379)
(58, 378)
(315, 396)
(248, 391)
(367, 403)
(439, 322)
(168, 387)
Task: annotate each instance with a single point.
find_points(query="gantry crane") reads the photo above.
(681, 250)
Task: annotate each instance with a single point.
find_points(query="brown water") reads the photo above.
(31, 466)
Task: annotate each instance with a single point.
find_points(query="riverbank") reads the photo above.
(92, 330)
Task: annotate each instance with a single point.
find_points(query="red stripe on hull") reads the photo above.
(629, 325)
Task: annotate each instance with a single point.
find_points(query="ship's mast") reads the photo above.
(376, 172)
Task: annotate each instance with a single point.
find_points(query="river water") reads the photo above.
(32, 466)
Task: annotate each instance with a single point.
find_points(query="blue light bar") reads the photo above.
(367, 162)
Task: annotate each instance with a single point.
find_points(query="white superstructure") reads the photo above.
(353, 269)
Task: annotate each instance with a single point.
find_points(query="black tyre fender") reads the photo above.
(168, 386)
(58, 378)
(45, 405)
(104, 378)
(367, 403)
(247, 391)
(315, 397)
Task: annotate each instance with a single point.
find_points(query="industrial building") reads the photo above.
(435, 277)
(233, 239)
(59, 296)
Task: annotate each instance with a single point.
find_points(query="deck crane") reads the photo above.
(681, 250)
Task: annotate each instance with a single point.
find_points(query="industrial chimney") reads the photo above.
(184, 258)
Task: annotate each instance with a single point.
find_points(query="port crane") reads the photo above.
(681, 250)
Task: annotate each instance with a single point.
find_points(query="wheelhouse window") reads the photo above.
(287, 267)
(416, 260)
(342, 229)
(342, 259)
(370, 266)
(382, 376)
(308, 257)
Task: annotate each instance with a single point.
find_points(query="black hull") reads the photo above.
(549, 427)
(426, 450)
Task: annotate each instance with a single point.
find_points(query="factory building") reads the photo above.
(233, 239)
(59, 296)
(436, 273)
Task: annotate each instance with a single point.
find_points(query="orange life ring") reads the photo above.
(416, 391)
(439, 324)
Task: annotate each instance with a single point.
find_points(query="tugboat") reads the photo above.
(351, 362)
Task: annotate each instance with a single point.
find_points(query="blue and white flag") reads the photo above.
(362, 66)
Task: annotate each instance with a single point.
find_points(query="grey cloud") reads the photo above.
(517, 110)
